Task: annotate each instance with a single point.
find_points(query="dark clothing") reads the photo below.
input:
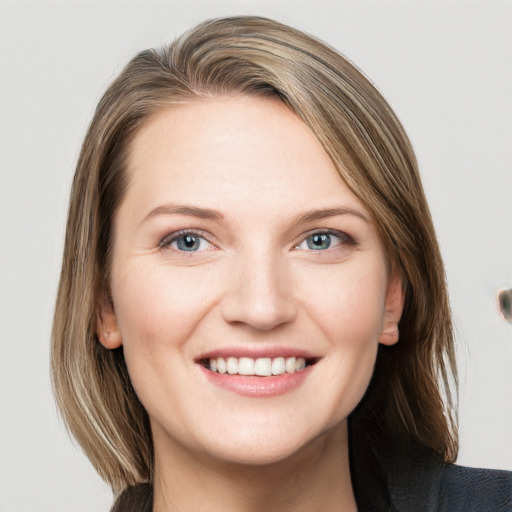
(401, 477)
(475, 489)
(449, 488)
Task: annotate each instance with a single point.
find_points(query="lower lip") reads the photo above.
(253, 386)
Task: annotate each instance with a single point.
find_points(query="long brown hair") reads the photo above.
(411, 392)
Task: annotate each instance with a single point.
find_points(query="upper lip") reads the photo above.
(257, 352)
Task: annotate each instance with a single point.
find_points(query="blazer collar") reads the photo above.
(392, 474)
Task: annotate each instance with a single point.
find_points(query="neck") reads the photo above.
(315, 478)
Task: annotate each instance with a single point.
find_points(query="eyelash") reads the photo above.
(344, 239)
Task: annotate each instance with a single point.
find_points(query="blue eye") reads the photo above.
(323, 240)
(319, 241)
(188, 243)
(185, 242)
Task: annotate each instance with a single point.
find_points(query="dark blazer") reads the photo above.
(402, 477)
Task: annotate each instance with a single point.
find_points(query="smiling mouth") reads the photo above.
(257, 367)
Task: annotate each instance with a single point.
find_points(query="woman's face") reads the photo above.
(239, 249)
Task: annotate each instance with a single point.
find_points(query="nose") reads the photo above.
(259, 294)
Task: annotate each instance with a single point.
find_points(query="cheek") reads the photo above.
(158, 311)
(349, 310)
(158, 308)
(349, 306)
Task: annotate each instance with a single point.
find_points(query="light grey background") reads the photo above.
(446, 67)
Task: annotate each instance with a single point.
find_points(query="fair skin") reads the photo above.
(237, 238)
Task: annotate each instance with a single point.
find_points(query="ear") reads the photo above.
(107, 330)
(394, 305)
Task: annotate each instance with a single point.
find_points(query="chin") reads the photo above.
(263, 445)
(257, 455)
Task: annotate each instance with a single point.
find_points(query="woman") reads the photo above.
(252, 312)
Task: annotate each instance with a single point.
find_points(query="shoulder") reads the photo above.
(471, 489)
(393, 474)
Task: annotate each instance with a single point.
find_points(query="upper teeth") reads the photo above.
(263, 366)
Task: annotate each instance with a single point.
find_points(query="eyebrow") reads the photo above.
(192, 211)
(324, 213)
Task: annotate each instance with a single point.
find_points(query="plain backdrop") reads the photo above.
(446, 68)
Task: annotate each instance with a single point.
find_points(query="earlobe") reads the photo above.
(389, 334)
(107, 330)
(394, 305)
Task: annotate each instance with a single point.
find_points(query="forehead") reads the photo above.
(237, 148)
